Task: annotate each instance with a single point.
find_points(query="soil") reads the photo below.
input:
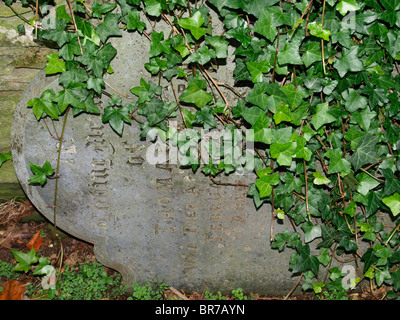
(19, 222)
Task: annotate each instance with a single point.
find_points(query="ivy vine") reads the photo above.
(323, 103)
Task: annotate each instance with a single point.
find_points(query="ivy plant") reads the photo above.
(322, 101)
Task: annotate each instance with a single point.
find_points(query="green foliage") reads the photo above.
(89, 281)
(322, 103)
(7, 270)
(41, 173)
(149, 291)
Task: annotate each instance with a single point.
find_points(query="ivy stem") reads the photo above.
(58, 166)
(276, 56)
(76, 28)
(322, 40)
(111, 87)
(36, 17)
(392, 234)
(177, 102)
(305, 179)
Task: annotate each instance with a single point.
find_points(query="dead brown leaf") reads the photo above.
(13, 291)
(35, 242)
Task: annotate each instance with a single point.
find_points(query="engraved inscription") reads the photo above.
(134, 158)
(190, 230)
(99, 176)
(215, 231)
(165, 213)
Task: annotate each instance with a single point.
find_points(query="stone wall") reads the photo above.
(20, 61)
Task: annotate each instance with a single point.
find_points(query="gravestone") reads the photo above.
(147, 221)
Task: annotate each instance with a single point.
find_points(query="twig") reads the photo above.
(228, 183)
(276, 56)
(295, 286)
(76, 28)
(322, 40)
(58, 166)
(302, 16)
(305, 178)
(204, 71)
(176, 292)
(177, 101)
(392, 234)
(111, 87)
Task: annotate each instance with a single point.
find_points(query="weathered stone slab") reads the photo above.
(150, 222)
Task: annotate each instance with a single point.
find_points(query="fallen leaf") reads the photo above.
(35, 242)
(13, 291)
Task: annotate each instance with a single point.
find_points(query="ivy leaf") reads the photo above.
(305, 261)
(349, 62)
(265, 26)
(153, 7)
(70, 49)
(283, 152)
(257, 95)
(116, 117)
(66, 98)
(286, 238)
(311, 232)
(4, 157)
(256, 7)
(59, 34)
(354, 100)
(159, 45)
(100, 9)
(345, 6)
(264, 184)
(40, 173)
(54, 64)
(194, 24)
(337, 164)
(295, 95)
(318, 31)
(195, 94)
(205, 117)
(366, 151)
(392, 184)
(156, 111)
(109, 27)
(220, 45)
(367, 183)
(202, 56)
(241, 34)
(312, 53)
(322, 116)
(320, 179)
(44, 105)
(257, 69)
(393, 202)
(283, 114)
(25, 260)
(134, 22)
(96, 84)
(290, 53)
(261, 130)
(146, 91)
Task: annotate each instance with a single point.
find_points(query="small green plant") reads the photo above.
(89, 281)
(209, 296)
(7, 270)
(149, 291)
(238, 294)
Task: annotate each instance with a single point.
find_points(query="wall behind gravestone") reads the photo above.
(21, 59)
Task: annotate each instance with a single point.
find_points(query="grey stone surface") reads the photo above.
(149, 222)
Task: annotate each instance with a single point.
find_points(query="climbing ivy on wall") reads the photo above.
(322, 101)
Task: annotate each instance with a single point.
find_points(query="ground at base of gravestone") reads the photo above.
(23, 228)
